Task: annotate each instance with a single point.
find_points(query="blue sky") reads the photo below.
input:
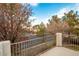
(43, 11)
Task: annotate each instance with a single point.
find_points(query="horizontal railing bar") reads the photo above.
(28, 40)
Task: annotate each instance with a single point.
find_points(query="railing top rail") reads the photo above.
(28, 40)
(19, 42)
(22, 41)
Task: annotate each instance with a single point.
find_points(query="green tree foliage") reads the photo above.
(69, 23)
(73, 21)
(41, 29)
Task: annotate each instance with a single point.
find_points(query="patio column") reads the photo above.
(59, 39)
(5, 49)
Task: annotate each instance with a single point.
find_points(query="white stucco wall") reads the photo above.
(5, 49)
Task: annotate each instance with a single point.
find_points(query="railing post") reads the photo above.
(5, 49)
(58, 39)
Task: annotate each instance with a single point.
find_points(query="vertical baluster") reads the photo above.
(68, 41)
(17, 49)
(13, 50)
(30, 46)
(77, 43)
(27, 47)
(14, 46)
(30, 43)
(73, 43)
(21, 49)
(24, 48)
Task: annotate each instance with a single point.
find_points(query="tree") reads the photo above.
(72, 19)
(41, 29)
(69, 23)
(54, 25)
(12, 19)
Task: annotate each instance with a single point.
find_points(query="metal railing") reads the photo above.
(32, 46)
(71, 42)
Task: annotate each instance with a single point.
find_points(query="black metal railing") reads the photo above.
(32, 46)
(71, 42)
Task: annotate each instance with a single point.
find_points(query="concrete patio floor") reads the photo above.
(60, 51)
